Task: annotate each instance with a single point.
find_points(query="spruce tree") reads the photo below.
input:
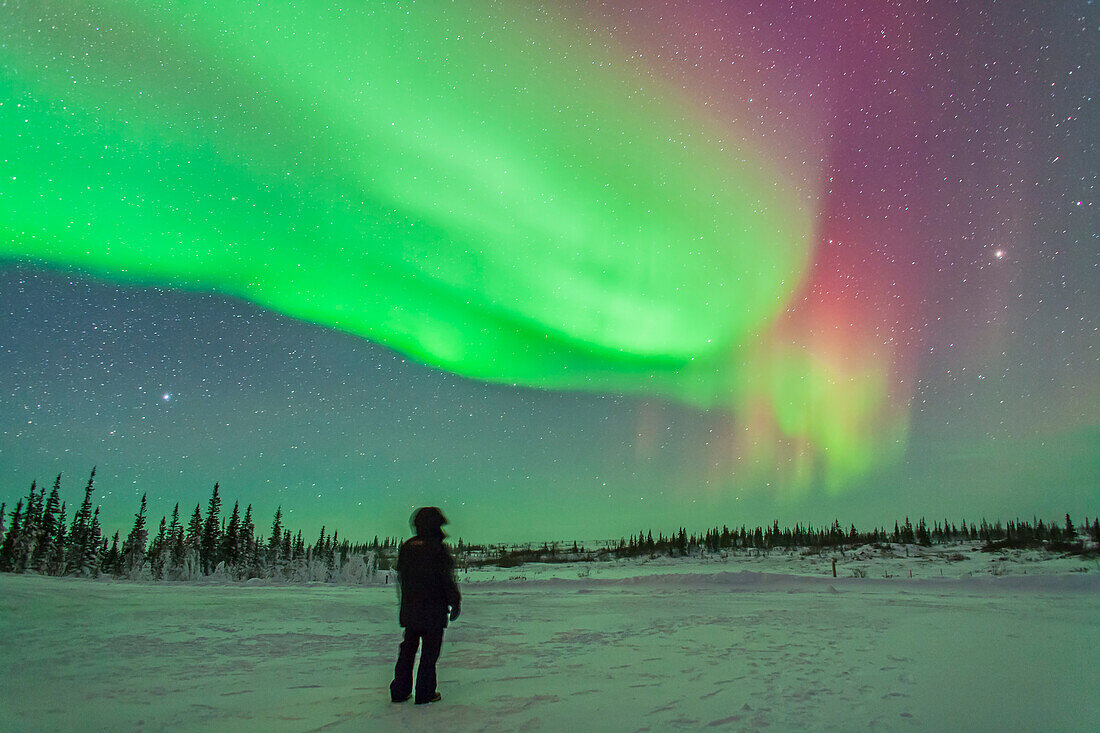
(11, 539)
(231, 543)
(133, 550)
(922, 534)
(159, 551)
(112, 561)
(44, 551)
(286, 551)
(193, 538)
(907, 535)
(193, 535)
(80, 534)
(90, 563)
(26, 544)
(276, 537)
(208, 547)
(248, 541)
(55, 564)
(248, 529)
(175, 539)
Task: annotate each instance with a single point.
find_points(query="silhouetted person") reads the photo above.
(425, 570)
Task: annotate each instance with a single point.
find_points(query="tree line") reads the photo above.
(39, 538)
(1017, 533)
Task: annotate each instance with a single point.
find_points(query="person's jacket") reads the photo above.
(425, 569)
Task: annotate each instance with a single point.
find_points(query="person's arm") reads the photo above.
(454, 598)
(399, 567)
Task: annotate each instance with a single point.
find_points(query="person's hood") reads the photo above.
(428, 521)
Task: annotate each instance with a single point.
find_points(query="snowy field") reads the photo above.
(739, 644)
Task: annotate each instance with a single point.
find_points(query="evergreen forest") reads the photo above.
(37, 537)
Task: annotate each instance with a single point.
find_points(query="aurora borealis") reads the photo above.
(564, 270)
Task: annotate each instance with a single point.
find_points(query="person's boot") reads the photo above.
(434, 698)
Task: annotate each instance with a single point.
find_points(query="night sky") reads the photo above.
(565, 270)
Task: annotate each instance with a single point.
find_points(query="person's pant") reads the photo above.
(402, 683)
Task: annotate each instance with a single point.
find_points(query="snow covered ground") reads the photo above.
(959, 560)
(741, 643)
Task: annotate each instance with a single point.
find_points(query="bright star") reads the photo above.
(166, 396)
(999, 254)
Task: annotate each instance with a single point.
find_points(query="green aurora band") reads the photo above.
(491, 192)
